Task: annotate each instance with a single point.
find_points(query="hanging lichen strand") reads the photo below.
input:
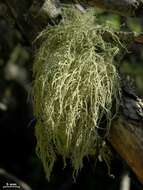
(75, 84)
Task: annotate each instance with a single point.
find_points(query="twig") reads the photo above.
(12, 178)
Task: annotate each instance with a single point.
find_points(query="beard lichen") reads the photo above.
(76, 82)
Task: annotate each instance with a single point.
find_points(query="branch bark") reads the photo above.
(31, 18)
(126, 137)
(122, 7)
(13, 182)
(126, 134)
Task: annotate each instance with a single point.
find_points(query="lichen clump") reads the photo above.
(75, 84)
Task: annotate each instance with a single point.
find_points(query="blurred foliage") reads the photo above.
(132, 63)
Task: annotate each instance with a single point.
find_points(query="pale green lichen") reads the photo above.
(76, 82)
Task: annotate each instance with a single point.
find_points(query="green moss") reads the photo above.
(75, 84)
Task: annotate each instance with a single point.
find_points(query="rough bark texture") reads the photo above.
(32, 16)
(127, 139)
(126, 134)
(122, 7)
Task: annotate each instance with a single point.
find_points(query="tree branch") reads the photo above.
(122, 7)
(12, 181)
(126, 134)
